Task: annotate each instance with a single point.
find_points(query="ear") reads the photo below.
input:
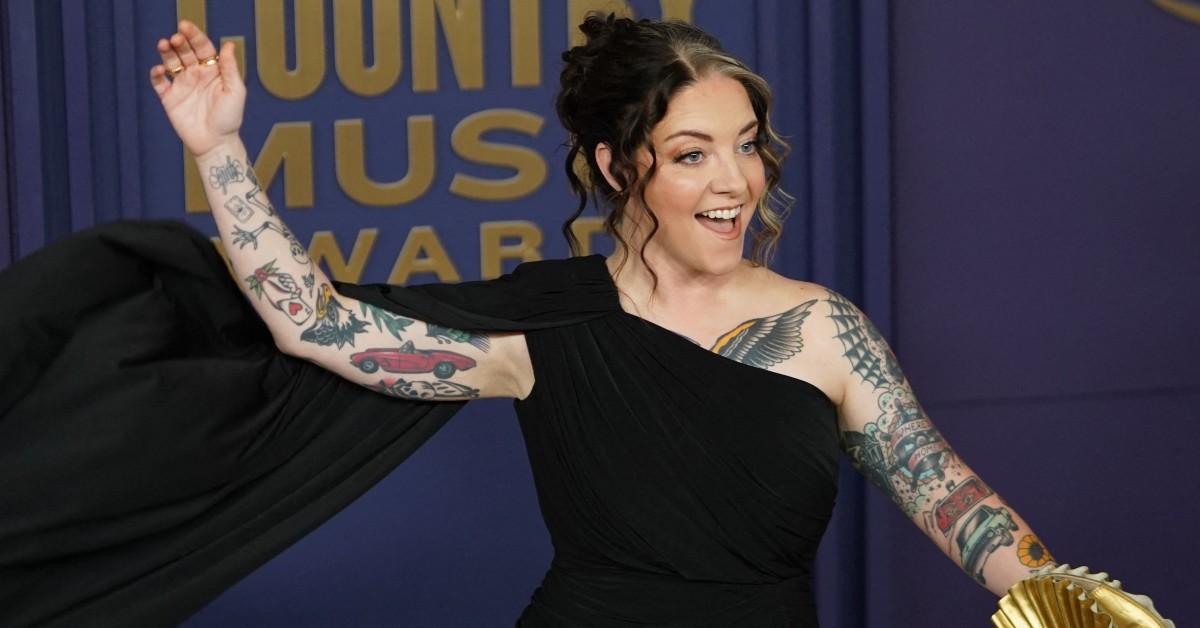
(604, 160)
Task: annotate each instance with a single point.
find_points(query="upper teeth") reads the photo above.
(722, 213)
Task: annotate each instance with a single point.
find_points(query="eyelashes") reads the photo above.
(693, 157)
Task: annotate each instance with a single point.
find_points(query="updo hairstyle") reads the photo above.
(616, 87)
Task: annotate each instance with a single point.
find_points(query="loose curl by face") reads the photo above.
(616, 87)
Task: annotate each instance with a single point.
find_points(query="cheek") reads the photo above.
(672, 195)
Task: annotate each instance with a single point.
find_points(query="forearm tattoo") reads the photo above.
(425, 390)
(903, 454)
(1032, 553)
(281, 291)
(329, 322)
(220, 176)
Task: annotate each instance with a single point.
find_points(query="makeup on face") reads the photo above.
(709, 174)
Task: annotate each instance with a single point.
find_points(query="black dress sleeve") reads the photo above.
(155, 446)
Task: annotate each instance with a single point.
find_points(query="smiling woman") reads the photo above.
(691, 143)
(683, 408)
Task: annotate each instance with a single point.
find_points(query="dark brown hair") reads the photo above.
(616, 87)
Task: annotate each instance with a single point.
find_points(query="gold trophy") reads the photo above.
(1062, 597)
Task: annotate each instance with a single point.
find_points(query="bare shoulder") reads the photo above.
(776, 290)
(811, 310)
(792, 289)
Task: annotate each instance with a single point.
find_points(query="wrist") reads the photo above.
(226, 145)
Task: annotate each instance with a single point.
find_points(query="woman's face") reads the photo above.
(708, 180)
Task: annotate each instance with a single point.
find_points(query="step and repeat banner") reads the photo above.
(413, 141)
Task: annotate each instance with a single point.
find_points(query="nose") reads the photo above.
(729, 178)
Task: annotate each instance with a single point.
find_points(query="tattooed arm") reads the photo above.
(391, 354)
(893, 443)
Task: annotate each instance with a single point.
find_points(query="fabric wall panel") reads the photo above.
(1045, 259)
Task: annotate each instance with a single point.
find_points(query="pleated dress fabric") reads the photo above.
(155, 447)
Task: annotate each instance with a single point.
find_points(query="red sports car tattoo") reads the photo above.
(408, 359)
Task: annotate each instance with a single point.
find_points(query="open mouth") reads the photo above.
(723, 222)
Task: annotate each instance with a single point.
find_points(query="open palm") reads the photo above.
(204, 102)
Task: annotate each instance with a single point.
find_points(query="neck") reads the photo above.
(679, 289)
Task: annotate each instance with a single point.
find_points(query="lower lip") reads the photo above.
(733, 234)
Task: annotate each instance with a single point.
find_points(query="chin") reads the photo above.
(723, 262)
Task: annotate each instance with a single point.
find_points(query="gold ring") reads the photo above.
(211, 60)
(175, 71)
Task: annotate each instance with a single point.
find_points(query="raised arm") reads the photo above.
(892, 442)
(204, 97)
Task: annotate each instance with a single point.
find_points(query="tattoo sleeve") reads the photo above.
(898, 449)
(384, 351)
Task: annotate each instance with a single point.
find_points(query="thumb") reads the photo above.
(229, 65)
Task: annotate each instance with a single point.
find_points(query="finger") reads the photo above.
(182, 48)
(158, 79)
(200, 43)
(169, 58)
(228, 64)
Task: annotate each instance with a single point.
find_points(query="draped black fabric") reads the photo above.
(155, 446)
(680, 487)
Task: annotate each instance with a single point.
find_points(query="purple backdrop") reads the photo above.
(1007, 188)
(1046, 229)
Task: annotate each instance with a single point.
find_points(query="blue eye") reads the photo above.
(750, 147)
(689, 158)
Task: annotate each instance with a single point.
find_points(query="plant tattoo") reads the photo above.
(385, 320)
(448, 334)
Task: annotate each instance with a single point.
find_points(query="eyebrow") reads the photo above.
(705, 136)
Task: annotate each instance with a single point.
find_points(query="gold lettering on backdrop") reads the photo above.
(324, 247)
(525, 40)
(271, 35)
(350, 155)
(493, 251)
(350, 50)
(195, 11)
(467, 141)
(677, 10)
(1178, 8)
(423, 253)
(289, 144)
(584, 228)
(462, 24)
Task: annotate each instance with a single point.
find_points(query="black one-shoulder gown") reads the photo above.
(155, 447)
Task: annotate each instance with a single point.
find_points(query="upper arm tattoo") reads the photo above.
(903, 454)
(901, 451)
(864, 346)
(767, 341)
